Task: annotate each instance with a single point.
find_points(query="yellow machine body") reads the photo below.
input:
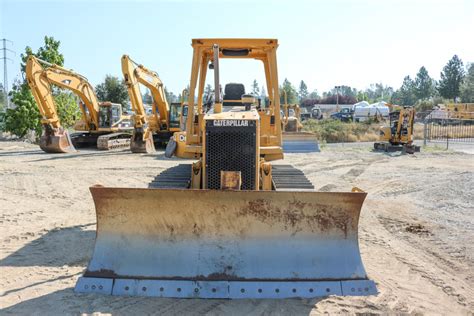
(97, 118)
(231, 224)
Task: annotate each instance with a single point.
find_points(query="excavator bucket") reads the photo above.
(141, 144)
(56, 141)
(300, 142)
(226, 244)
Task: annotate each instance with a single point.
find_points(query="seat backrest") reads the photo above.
(233, 91)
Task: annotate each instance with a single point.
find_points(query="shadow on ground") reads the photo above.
(67, 302)
(70, 246)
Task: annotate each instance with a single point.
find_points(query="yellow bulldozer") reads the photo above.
(294, 139)
(232, 224)
(103, 125)
(164, 120)
(398, 136)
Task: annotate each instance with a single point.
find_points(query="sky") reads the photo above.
(324, 43)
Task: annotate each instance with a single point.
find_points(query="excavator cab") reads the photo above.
(175, 115)
(109, 114)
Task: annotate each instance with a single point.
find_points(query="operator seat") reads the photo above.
(233, 92)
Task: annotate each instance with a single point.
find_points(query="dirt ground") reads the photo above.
(416, 231)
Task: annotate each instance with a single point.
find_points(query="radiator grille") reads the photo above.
(230, 149)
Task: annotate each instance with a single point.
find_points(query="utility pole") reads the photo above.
(337, 97)
(5, 72)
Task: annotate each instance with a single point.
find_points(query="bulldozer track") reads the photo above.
(285, 177)
(178, 177)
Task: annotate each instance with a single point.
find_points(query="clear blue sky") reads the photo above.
(325, 43)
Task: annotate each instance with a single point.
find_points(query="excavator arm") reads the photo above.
(135, 74)
(40, 79)
(145, 125)
(42, 93)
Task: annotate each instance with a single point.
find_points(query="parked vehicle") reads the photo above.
(364, 111)
(316, 113)
(344, 115)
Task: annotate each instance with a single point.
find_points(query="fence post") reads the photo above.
(447, 140)
(424, 133)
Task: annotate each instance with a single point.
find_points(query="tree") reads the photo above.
(207, 92)
(49, 52)
(451, 78)
(2, 97)
(112, 90)
(290, 92)
(423, 86)
(314, 95)
(147, 98)
(255, 89)
(24, 115)
(378, 92)
(406, 94)
(303, 91)
(467, 88)
(68, 111)
(362, 96)
(170, 96)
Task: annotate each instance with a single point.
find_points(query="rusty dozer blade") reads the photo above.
(56, 141)
(140, 144)
(300, 142)
(226, 244)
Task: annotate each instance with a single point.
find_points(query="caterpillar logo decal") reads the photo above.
(233, 123)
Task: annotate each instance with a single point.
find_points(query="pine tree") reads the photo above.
(290, 92)
(451, 78)
(424, 88)
(303, 91)
(406, 94)
(255, 89)
(467, 88)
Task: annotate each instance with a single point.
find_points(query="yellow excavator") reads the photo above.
(232, 224)
(294, 139)
(398, 136)
(102, 124)
(164, 120)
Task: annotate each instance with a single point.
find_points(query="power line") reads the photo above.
(5, 72)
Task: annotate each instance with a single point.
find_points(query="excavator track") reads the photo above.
(113, 141)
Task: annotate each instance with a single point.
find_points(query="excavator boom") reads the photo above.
(144, 125)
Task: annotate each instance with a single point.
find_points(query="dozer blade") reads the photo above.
(225, 244)
(300, 142)
(56, 142)
(140, 145)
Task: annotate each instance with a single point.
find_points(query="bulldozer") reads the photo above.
(399, 135)
(164, 120)
(232, 224)
(294, 139)
(103, 125)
